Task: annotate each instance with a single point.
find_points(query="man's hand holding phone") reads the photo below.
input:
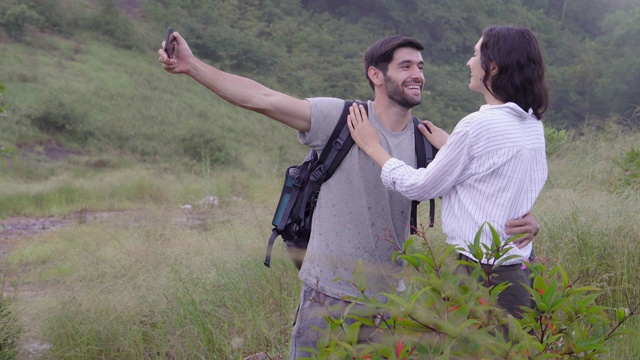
(175, 55)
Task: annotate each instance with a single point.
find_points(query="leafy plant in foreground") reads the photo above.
(445, 315)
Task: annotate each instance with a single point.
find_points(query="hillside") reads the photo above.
(82, 82)
(84, 73)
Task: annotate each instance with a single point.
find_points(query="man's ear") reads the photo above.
(375, 75)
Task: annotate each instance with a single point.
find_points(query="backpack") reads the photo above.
(293, 215)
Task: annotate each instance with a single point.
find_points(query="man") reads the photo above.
(358, 224)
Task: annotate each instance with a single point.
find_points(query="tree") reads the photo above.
(18, 18)
(617, 89)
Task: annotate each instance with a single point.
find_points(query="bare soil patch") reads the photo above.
(15, 229)
(47, 150)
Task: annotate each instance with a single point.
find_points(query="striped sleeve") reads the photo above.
(449, 168)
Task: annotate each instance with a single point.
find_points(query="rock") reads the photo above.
(237, 343)
(208, 201)
(258, 356)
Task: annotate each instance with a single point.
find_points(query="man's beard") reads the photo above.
(395, 92)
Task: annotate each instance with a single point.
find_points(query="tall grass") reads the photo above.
(163, 282)
(591, 225)
(160, 284)
(590, 216)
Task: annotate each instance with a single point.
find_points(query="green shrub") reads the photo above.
(18, 18)
(2, 105)
(54, 17)
(630, 166)
(204, 148)
(111, 22)
(443, 315)
(39, 14)
(554, 139)
(6, 153)
(61, 119)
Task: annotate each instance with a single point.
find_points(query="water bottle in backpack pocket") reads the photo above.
(285, 195)
(292, 218)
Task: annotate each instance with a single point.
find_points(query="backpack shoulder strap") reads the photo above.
(339, 143)
(334, 151)
(425, 152)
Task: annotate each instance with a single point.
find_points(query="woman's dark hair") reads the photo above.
(381, 52)
(520, 78)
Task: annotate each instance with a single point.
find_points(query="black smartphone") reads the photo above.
(168, 46)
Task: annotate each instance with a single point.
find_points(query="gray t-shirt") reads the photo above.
(357, 220)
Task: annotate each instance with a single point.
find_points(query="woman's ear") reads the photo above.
(493, 68)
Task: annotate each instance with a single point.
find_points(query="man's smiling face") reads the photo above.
(404, 79)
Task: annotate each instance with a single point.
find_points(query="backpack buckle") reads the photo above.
(338, 143)
(318, 173)
(297, 182)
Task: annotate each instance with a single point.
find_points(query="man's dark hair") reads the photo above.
(520, 78)
(381, 52)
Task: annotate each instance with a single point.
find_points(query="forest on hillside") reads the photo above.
(314, 48)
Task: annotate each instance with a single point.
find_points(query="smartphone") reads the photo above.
(168, 46)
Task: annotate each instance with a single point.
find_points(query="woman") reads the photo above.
(493, 165)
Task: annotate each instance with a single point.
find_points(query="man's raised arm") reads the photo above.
(237, 90)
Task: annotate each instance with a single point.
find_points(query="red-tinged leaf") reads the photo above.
(399, 347)
(553, 329)
(454, 308)
(483, 301)
(540, 291)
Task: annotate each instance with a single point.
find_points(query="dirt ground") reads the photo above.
(16, 229)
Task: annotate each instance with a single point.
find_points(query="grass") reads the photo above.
(127, 105)
(592, 226)
(161, 282)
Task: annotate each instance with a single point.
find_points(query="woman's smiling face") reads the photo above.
(477, 73)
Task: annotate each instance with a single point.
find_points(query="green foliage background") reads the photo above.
(305, 48)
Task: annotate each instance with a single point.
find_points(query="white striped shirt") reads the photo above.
(491, 169)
